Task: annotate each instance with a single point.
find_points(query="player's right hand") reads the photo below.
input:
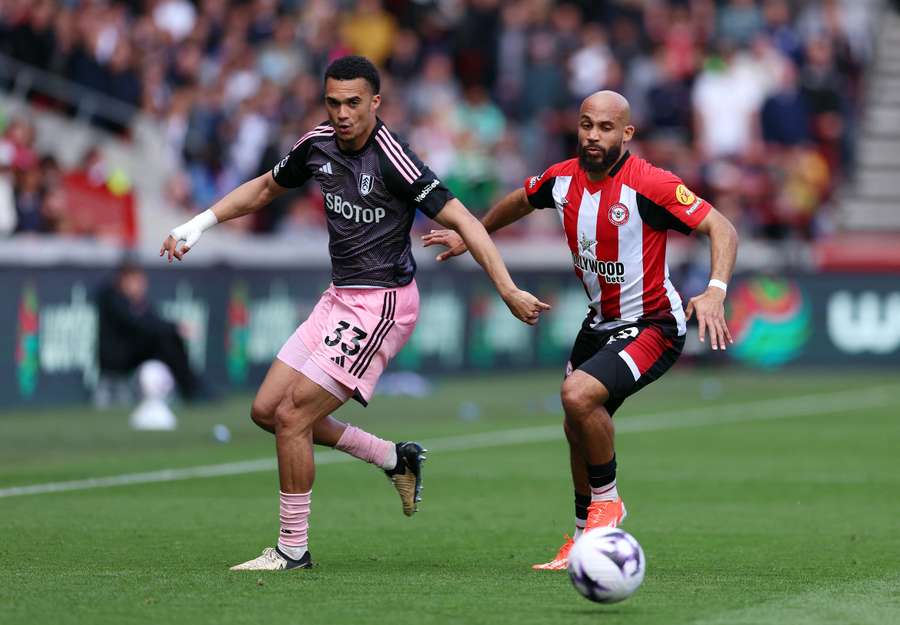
(449, 239)
(185, 232)
(710, 309)
(525, 306)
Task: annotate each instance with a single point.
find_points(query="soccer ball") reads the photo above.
(606, 565)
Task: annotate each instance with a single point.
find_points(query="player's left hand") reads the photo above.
(186, 233)
(710, 309)
(449, 239)
(525, 306)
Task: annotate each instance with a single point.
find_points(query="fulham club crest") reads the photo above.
(365, 184)
(618, 214)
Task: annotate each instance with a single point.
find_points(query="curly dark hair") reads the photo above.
(350, 67)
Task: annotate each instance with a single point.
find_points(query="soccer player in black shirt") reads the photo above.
(372, 185)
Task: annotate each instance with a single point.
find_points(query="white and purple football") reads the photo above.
(607, 565)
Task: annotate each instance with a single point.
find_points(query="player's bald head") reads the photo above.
(607, 105)
(604, 125)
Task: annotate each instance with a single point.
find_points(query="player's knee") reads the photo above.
(574, 400)
(290, 418)
(286, 417)
(261, 413)
(578, 400)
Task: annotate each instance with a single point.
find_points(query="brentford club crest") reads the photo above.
(618, 214)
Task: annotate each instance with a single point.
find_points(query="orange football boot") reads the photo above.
(561, 561)
(605, 514)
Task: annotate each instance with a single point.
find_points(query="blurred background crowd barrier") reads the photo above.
(235, 320)
(120, 119)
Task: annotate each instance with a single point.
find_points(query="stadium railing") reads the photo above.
(83, 103)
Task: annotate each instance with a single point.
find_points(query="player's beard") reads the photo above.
(596, 166)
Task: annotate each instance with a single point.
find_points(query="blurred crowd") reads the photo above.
(753, 102)
(39, 196)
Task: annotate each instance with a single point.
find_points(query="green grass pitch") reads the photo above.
(758, 498)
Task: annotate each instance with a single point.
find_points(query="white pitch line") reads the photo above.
(720, 414)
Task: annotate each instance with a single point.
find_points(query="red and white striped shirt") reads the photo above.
(616, 232)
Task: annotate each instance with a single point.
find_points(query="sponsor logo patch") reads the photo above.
(427, 190)
(280, 165)
(534, 180)
(610, 271)
(624, 335)
(618, 214)
(694, 207)
(353, 212)
(684, 195)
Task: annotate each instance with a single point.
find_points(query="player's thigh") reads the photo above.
(279, 379)
(604, 370)
(582, 393)
(587, 343)
(285, 369)
(632, 358)
(297, 349)
(653, 356)
(305, 403)
(366, 329)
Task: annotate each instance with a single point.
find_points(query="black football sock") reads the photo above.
(602, 478)
(581, 511)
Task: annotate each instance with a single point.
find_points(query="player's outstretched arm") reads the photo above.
(245, 199)
(511, 208)
(522, 304)
(710, 305)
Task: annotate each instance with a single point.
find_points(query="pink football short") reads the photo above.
(350, 337)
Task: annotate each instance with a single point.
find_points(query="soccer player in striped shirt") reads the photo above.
(372, 185)
(615, 210)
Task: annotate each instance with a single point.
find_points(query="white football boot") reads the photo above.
(273, 560)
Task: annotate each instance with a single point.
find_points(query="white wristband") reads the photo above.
(190, 231)
(205, 220)
(718, 284)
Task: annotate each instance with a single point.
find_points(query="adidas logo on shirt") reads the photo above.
(326, 168)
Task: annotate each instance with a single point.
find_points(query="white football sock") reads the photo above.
(390, 459)
(294, 553)
(607, 492)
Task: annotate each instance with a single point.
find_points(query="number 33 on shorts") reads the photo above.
(350, 345)
(353, 333)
